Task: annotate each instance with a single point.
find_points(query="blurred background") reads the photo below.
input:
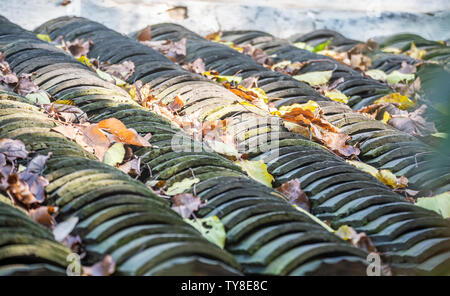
(354, 18)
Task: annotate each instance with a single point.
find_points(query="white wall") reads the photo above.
(355, 18)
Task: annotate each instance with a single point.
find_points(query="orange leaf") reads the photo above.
(43, 215)
(176, 104)
(122, 133)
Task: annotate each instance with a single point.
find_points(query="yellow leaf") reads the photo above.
(391, 180)
(260, 92)
(276, 113)
(257, 170)
(44, 37)
(232, 45)
(344, 232)
(247, 103)
(403, 101)
(337, 96)
(315, 78)
(310, 105)
(132, 91)
(84, 60)
(217, 36)
(385, 176)
(386, 117)
(220, 78)
(376, 74)
(415, 52)
(64, 102)
(393, 50)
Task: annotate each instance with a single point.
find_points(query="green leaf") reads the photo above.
(115, 154)
(396, 77)
(211, 228)
(322, 46)
(439, 203)
(315, 78)
(40, 97)
(256, 170)
(182, 186)
(376, 74)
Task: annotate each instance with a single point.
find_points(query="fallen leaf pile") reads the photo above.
(174, 50)
(77, 48)
(308, 119)
(98, 138)
(65, 112)
(25, 187)
(10, 81)
(356, 57)
(197, 66)
(256, 96)
(213, 132)
(412, 123)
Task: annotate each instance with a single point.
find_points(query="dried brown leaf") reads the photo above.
(66, 113)
(185, 204)
(32, 177)
(292, 189)
(13, 149)
(197, 66)
(122, 71)
(132, 167)
(25, 86)
(145, 34)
